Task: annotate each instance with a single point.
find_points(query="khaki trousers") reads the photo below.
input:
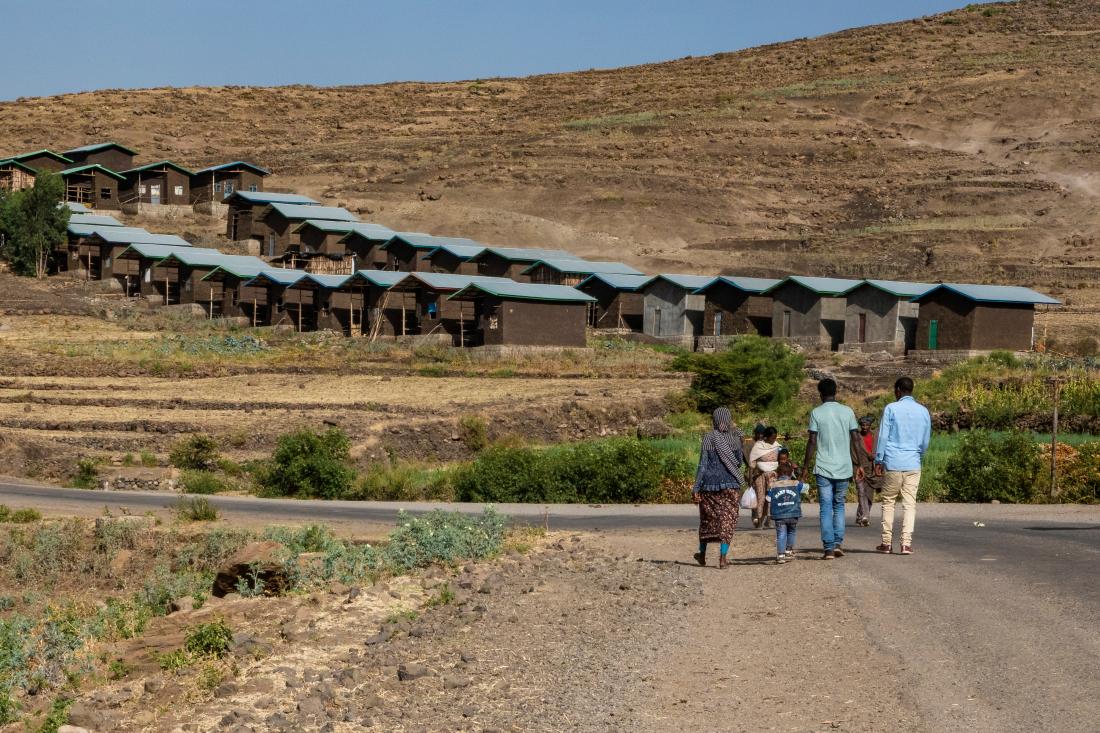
(904, 483)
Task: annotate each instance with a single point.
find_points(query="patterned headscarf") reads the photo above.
(722, 419)
(727, 440)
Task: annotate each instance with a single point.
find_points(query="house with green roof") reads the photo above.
(163, 183)
(672, 309)
(92, 185)
(43, 160)
(15, 176)
(881, 315)
(508, 313)
(810, 311)
(325, 247)
(619, 301)
(217, 183)
(245, 206)
(734, 305)
(572, 271)
(275, 224)
(968, 318)
(110, 155)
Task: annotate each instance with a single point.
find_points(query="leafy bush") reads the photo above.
(201, 482)
(403, 482)
(987, 467)
(87, 474)
(310, 464)
(443, 537)
(474, 433)
(212, 639)
(198, 509)
(197, 452)
(1079, 480)
(753, 373)
(148, 459)
(19, 516)
(614, 470)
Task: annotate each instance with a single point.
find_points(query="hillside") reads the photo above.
(913, 150)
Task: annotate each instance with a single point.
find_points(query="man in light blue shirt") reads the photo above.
(903, 439)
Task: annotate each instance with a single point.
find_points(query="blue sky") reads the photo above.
(70, 45)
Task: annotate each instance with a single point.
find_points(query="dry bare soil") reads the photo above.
(911, 150)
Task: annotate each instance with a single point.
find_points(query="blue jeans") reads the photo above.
(831, 494)
(785, 531)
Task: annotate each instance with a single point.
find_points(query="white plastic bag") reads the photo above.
(748, 499)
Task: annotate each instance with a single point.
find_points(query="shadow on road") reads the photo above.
(1063, 529)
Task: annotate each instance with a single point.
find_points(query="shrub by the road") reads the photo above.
(310, 464)
(443, 537)
(988, 466)
(1080, 479)
(196, 452)
(614, 470)
(754, 373)
(201, 482)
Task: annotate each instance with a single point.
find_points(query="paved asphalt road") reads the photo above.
(994, 627)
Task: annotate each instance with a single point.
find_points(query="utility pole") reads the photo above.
(1057, 383)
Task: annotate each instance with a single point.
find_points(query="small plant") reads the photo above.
(400, 614)
(196, 509)
(197, 452)
(57, 716)
(211, 676)
(201, 482)
(128, 460)
(25, 516)
(250, 585)
(310, 464)
(443, 537)
(117, 669)
(173, 661)
(474, 433)
(149, 460)
(87, 474)
(213, 639)
(445, 597)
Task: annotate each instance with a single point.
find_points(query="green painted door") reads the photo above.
(933, 335)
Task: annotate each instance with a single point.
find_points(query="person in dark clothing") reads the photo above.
(718, 483)
(870, 483)
(785, 499)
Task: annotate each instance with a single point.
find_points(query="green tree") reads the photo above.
(306, 463)
(753, 373)
(33, 224)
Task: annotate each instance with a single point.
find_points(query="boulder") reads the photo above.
(265, 561)
(654, 428)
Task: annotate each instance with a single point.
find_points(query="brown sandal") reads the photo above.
(701, 559)
(723, 563)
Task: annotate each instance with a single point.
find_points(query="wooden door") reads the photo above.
(862, 328)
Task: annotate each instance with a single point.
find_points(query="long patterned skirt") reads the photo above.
(718, 512)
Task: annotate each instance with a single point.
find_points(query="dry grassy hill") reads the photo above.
(957, 146)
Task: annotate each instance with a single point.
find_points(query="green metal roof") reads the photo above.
(201, 257)
(159, 164)
(827, 286)
(75, 208)
(625, 283)
(461, 251)
(900, 289)
(525, 254)
(134, 235)
(687, 282)
(385, 279)
(92, 166)
(446, 280)
(95, 147)
(44, 151)
(584, 267)
(236, 164)
(416, 240)
(16, 164)
(153, 251)
(745, 284)
(277, 276)
(331, 282)
(366, 229)
(1008, 294)
(239, 270)
(310, 211)
(270, 197)
(511, 290)
(93, 220)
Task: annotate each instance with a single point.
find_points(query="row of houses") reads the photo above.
(105, 176)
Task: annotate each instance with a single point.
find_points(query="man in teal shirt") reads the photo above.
(834, 442)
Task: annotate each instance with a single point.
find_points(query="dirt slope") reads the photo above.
(908, 150)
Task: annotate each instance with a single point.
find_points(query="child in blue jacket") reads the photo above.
(785, 500)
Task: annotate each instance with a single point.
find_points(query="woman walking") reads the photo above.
(718, 483)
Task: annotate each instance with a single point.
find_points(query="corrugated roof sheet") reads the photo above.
(585, 267)
(625, 283)
(687, 282)
(279, 276)
(201, 257)
(95, 220)
(899, 288)
(382, 278)
(16, 164)
(367, 230)
(461, 251)
(830, 286)
(511, 290)
(156, 251)
(328, 281)
(100, 146)
(450, 281)
(75, 208)
(746, 284)
(994, 294)
(133, 236)
(236, 164)
(159, 164)
(310, 211)
(93, 166)
(44, 151)
(235, 269)
(429, 241)
(528, 254)
(271, 197)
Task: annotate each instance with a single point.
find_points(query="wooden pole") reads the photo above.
(403, 330)
(210, 290)
(1054, 442)
(165, 286)
(461, 326)
(254, 306)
